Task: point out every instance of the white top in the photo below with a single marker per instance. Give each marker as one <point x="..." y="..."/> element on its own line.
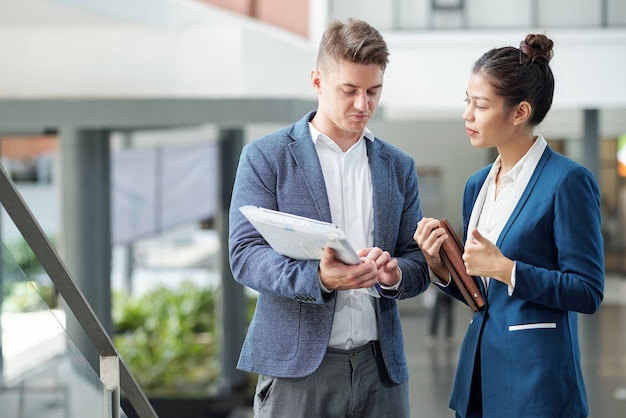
<point x="490" y="214"/>
<point x="349" y="186"/>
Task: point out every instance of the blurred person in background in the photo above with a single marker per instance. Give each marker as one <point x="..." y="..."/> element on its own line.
<point x="441" y="313"/>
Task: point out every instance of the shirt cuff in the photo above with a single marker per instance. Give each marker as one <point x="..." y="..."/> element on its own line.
<point x="436" y="280"/>
<point x="324" y="290"/>
<point x="395" y="287"/>
<point x="512" y="286"/>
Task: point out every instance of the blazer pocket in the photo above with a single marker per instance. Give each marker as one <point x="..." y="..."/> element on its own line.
<point x="538" y="325"/>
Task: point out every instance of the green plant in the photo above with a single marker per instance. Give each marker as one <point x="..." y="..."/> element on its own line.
<point x="25" y="285"/>
<point x="25" y="258"/>
<point x="166" y="337"/>
<point x="28" y="296"/>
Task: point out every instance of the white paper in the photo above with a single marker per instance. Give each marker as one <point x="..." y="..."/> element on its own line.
<point x="298" y="237"/>
<point x="302" y="238"/>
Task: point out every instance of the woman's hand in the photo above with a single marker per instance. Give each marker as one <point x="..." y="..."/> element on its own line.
<point x="483" y="258"/>
<point x="429" y="236"/>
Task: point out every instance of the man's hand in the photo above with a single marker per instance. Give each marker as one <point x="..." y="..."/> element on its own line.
<point x="376" y="266"/>
<point x="387" y="267"/>
<point x="336" y="275"/>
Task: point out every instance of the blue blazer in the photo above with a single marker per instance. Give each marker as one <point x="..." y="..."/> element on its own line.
<point x="290" y="330"/>
<point x="528" y="342"/>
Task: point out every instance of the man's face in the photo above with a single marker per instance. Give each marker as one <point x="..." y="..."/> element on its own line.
<point x="348" y="97"/>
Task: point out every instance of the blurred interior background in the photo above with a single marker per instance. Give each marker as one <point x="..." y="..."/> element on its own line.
<point x="121" y="124"/>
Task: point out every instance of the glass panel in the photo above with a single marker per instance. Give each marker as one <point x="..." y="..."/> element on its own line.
<point x="499" y="14"/>
<point x="564" y="13"/>
<point x="375" y="12"/>
<point x="480" y="14"/>
<point x="42" y="373"/>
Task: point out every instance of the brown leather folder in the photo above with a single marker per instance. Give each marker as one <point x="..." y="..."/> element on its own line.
<point x="451" y="252"/>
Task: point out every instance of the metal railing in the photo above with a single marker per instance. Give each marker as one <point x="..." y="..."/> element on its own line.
<point x="113" y="373"/>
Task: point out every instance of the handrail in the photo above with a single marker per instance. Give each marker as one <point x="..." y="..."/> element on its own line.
<point x="36" y="238"/>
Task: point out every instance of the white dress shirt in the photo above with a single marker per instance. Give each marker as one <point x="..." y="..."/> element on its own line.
<point x="491" y="213"/>
<point x="349" y="186"/>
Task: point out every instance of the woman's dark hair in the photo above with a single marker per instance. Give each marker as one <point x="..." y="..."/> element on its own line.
<point x="522" y="74"/>
<point x="354" y="41"/>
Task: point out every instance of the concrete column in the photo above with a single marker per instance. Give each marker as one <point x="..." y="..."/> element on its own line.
<point x="232" y="301"/>
<point x="1" y="294"/>
<point x="1" y="301"/>
<point x="129" y="248"/>
<point x="591" y="141"/>
<point x="86" y="226"/>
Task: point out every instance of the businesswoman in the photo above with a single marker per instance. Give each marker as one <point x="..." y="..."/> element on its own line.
<point x="531" y="226"/>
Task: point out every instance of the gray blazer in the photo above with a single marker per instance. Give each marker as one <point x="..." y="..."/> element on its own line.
<point x="289" y="333"/>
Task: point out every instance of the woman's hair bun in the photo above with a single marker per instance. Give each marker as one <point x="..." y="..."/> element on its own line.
<point x="537" y="48"/>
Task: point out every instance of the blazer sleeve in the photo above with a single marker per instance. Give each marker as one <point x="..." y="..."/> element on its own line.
<point x="561" y="265"/>
<point x="411" y="261"/>
<point x="253" y="262"/>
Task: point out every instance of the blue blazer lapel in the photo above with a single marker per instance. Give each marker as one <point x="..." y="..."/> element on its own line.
<point x="532" y="183"/>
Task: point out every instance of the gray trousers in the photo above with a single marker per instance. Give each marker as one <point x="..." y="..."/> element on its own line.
<point x="348" y="384"/>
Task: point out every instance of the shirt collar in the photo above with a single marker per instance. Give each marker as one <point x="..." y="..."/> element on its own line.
<point x="316" y="134"/>
<point x="532" y="156"/>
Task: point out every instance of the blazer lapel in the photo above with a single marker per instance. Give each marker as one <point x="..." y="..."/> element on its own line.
<point x="304" y="154"/>
<point x="381" y="177"/>
<point x="516" y="211"/>
<point x="527" y="192"/>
